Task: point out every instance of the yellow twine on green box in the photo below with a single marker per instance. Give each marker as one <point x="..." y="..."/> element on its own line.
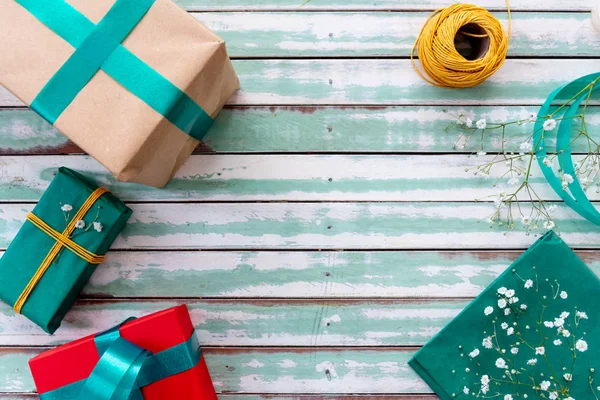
<point x="441" y="61"/>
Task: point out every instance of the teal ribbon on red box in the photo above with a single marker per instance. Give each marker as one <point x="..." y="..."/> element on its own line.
<point x="124" y="368"/>
<point x="575" y="92"/>
<point x="98" y="47"/>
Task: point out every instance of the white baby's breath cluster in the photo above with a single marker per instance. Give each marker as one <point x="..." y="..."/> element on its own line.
<point x="517" y="352"/>
<point x="516" y="202"/>
<point x="81" y="224"/>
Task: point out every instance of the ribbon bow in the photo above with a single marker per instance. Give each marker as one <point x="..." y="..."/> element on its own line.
<point x="576" y="91"/>
<point x="125" y="368"/>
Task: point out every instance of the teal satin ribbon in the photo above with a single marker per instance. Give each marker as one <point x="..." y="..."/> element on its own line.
<point x="99" y="47"/>
<point x="575" y="195"/>
<point x="124" y="368"/>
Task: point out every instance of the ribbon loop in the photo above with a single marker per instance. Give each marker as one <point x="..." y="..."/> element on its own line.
<point x="575" y="92"/>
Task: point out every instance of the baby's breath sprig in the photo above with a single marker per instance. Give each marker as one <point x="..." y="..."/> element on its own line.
<point x="512" y="168"/>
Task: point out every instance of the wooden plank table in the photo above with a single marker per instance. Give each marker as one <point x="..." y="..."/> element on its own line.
<point x="326" y="228"/>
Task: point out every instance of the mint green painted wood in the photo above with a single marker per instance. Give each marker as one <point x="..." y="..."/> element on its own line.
<point x="286" y="371"/>
<point x="319" y="226"/>
<point x="284" y="178"/>
<point x="308" y="129"/>
<point x="357" y="5"/>
<point x="320" y="275"/>
<point x="372" y="34"/>
<point x="255" y="323"/>
<point x="388" y="82"/>
<point x="281" y="397"/>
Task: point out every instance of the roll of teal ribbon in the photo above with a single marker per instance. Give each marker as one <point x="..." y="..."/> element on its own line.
<point x="124" y="368"/>
<point x="99" y="47"/>
<point x="575" y="93"/>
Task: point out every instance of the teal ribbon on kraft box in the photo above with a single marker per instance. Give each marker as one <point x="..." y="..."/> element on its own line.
<point x="98" y="47"/>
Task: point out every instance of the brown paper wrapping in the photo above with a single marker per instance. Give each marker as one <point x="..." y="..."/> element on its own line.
<point x="134" y="142"/>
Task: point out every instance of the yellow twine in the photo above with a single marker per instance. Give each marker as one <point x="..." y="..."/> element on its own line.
<point x="62" y="240"/>
<point x="440" y="60"/>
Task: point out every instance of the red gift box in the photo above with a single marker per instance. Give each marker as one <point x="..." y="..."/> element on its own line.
<point x="75" y="361"/>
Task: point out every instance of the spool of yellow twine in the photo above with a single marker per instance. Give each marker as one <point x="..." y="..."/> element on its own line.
<point x="443" y="65"/>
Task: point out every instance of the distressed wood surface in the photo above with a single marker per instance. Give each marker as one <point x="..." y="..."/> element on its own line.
<point x="256" y="323"/>
<point x="370" y="129"/>
<point x="274" y="370"/>
<point x="12" y="396"/>
<point x="409" y="178"/>
<point x="342" y="34"/>
<point x="388" y="82"/>
<point x="392" y="5"/>
<point x="312" y="226"/>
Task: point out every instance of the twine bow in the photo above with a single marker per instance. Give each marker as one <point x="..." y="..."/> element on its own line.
<point x="62" y="240"/>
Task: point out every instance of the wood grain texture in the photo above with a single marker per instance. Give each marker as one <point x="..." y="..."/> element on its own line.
<point x="388" y="82"/>
<point x="256" y="323"/>
<point x="430" y="129"/>
<point x="274" y="370"/>
<point x="372" y="34"/>
<point x="319" y="226"/>
<point x="392" y="5"/>
<point x="287" y="178"/>
<point x="11" y="396"/>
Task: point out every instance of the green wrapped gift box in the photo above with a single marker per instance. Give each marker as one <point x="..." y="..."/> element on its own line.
<point x="533" y="334"/>
<point x="71" y="265"/>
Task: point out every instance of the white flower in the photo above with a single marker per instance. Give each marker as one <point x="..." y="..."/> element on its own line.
<point x="481" y="153"/>
<point x="528" y="284"/>
<point x="510" y="331"/>
<point x="547" y="162"/>
<point x="514" y="350"/>
<point x="549" y="225"/>
<point x="526" y="147"/>
<point x="80" y="224"/>
<point x="581" y="315"/>
<point x="514" y="181"/>
<point x="545" y="385"/>
<point x="66" y="207"/>
<point x="507" y="311"/>
<point x="553" y="396"/>
<point x="466" y="390"/>
<point x="500" y="363"/>
<point x="568" y="377"/>
<point x="485" y="380"/>
<point x="523" y="306"/>
<point x="581" y="345"/>
<point x="98" y="227"/>
<point x="566" y="333"/>
<point x="532" y="361"/>
<point x="481" y="124"/>
<point x="532" y="117"/>
<point x="508" y="397"/>
<point x="504" y="325"/>
<point x="526" y="220"/>
<point x="485" y="388"/>
<point x="474" y="353"/>
<point x="502" y="303"/>
<point x="488" y="310"/>
<point x="558" y="322"/>
<point x="564" y="315"/>
<point x="513" y="300"/>
<point x="502" y="290"/>
<point x="549" y="124"/>
<point x="567" y="179"/>
<point x="509" y="293"/>
<point x="563" y="295"/>
<point x="487" y="343"/>
<point x="540" y="350"/>
<point x="469" y="123"/>
<point x="557" y="342"/>
<point x="549" y="324"/>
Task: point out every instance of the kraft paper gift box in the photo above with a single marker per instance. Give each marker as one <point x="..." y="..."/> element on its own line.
<point x="159" y="358"/>
<point x="144" y="85"/>
<point x="534" y="333"/>
<point x="40" y="278"/>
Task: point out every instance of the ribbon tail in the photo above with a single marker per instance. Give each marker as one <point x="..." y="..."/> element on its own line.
<point x="115" y="375"/>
